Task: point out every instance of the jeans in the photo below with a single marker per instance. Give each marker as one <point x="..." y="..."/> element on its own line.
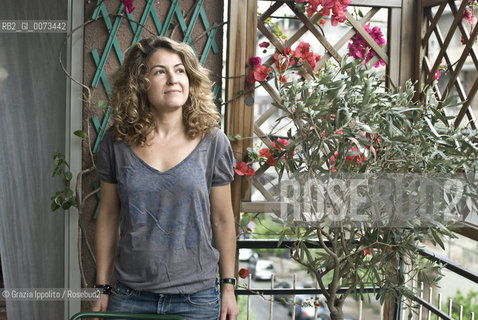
<point x="202" y="305"/>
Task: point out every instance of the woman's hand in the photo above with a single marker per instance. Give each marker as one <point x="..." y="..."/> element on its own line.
<point x="101" y="304"/>
<point x="229" y="309"/>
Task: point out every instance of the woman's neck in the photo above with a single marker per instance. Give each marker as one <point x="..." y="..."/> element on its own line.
<point x="169" y="124"/>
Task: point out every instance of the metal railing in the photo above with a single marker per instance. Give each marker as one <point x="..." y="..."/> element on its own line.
<point x="400" y="314"/>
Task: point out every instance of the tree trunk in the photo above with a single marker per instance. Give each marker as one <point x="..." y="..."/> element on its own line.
<point x="337" y="313"/>
<point x="336" y="310"/>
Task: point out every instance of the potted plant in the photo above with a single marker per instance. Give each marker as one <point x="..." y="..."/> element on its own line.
<point x="357" y="167"/>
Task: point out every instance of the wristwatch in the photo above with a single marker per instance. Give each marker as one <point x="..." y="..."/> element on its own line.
<point x="105" y="287"/>
<point x="228" y="280"/>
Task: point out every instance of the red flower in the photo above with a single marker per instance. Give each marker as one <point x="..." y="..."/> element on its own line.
<point x="280" y="62"/>
<point x="367" y="251"/>
<point x="128" y="5"/>
<point x="317" y="304"/>
<point x="250" y="77"/>
<point x="302" y="50"/>
<point x="255" y="61"/>
<point x="264" y="44"/>
<point x="332" y="161"/>
<point x="265" y="152"/>
<point x="261" y="73"/>
<point x="243" y="273"/>
<point x="283" y="142"/>
<point x="271" y="161"/>
<point x="360" y="158"/>
<point x="243" y="169"/>
<point x="287" y="51"/>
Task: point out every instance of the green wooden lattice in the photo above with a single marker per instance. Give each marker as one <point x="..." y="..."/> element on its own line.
<point x="137" y="28"/>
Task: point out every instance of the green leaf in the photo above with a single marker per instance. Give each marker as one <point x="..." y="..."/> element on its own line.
<point x="80" y="133"/>
<point x="234" y="137"/>
<point x="57" y="171"/>
<point x="68" y="176"/>
<point x="102" y="104"/>
<point x="54" y="206"/>
<point x="68" y="193"/>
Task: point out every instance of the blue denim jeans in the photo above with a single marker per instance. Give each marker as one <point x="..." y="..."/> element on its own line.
<point x="202" y="305"/>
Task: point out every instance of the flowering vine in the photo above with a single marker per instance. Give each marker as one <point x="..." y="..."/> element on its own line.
<point x="469" y="16"/>
<point x="128" y="5"/>
<point x="360" y="49"/>
<point x="301" y="57"/>
<point x="336" y="7"/>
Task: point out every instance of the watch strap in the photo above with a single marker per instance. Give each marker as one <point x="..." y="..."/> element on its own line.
<point x="229" y="281"/>
<point x="106" y="288"/>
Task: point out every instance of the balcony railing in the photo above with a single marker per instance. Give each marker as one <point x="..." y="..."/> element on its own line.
<point x="400" y="312"/>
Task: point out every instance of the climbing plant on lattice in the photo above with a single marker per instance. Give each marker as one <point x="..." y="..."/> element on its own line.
<point x="308" y="25"/>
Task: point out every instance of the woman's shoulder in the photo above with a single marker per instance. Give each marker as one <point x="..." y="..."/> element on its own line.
<point x="109" y="139"/>
<point x="218" y="136"/>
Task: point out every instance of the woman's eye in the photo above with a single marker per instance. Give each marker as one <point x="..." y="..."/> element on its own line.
<point x="180" y="71"/>
<point x="159" y="72"/>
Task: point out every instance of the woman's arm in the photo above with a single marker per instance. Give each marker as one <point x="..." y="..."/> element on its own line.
<point x="224" y="231"/>
<point x="106" y="239"/>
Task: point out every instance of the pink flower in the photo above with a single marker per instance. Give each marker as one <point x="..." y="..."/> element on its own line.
<point x="283" y="142"/>
<point x="437" y="75"/>
<point x="302" y="49"/>
<point x="358" y="46"/>
<point x="280" y="62"/>
<point x="359" y="159"/>
<point x="255" y="61"/>
<point x="243" y="169"/>
<point x="265" y="152"/>
<point x="332" y="161"/>
<point x="264" y="44"/>
<point x="261" y="73"/>
<point x="469" y="17"/>
<point x="128" y="5"/>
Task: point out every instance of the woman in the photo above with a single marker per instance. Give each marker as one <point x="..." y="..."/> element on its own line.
<point x="165" y="171"/>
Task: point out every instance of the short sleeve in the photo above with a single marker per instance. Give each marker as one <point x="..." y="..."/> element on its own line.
<point x="105" y="162"/>
<point x="223" y="172"/>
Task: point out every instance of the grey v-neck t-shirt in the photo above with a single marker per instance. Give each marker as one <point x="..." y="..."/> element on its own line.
<point x="166" y="237"/>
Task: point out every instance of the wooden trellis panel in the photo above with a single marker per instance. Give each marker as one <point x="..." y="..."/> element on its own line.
<point x="429" y="16"/>
<point x="390" y="54"/>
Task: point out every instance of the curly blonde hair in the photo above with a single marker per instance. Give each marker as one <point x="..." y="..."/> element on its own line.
<point x="132" y="116"/>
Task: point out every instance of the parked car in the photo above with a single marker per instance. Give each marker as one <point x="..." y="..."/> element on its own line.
<point x="247" y="255"/>
<point x="262" y="269"/>
<point x="306" y="306"/>
<point x="282" y="298"/>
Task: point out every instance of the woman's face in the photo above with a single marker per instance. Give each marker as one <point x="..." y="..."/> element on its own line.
<point x="169" y="88"/>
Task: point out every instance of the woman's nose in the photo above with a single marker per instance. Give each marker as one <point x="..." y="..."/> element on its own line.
<point x="171" y="78"/>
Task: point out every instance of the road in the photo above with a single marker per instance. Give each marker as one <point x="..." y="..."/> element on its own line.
<point x="260" y="307"/>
